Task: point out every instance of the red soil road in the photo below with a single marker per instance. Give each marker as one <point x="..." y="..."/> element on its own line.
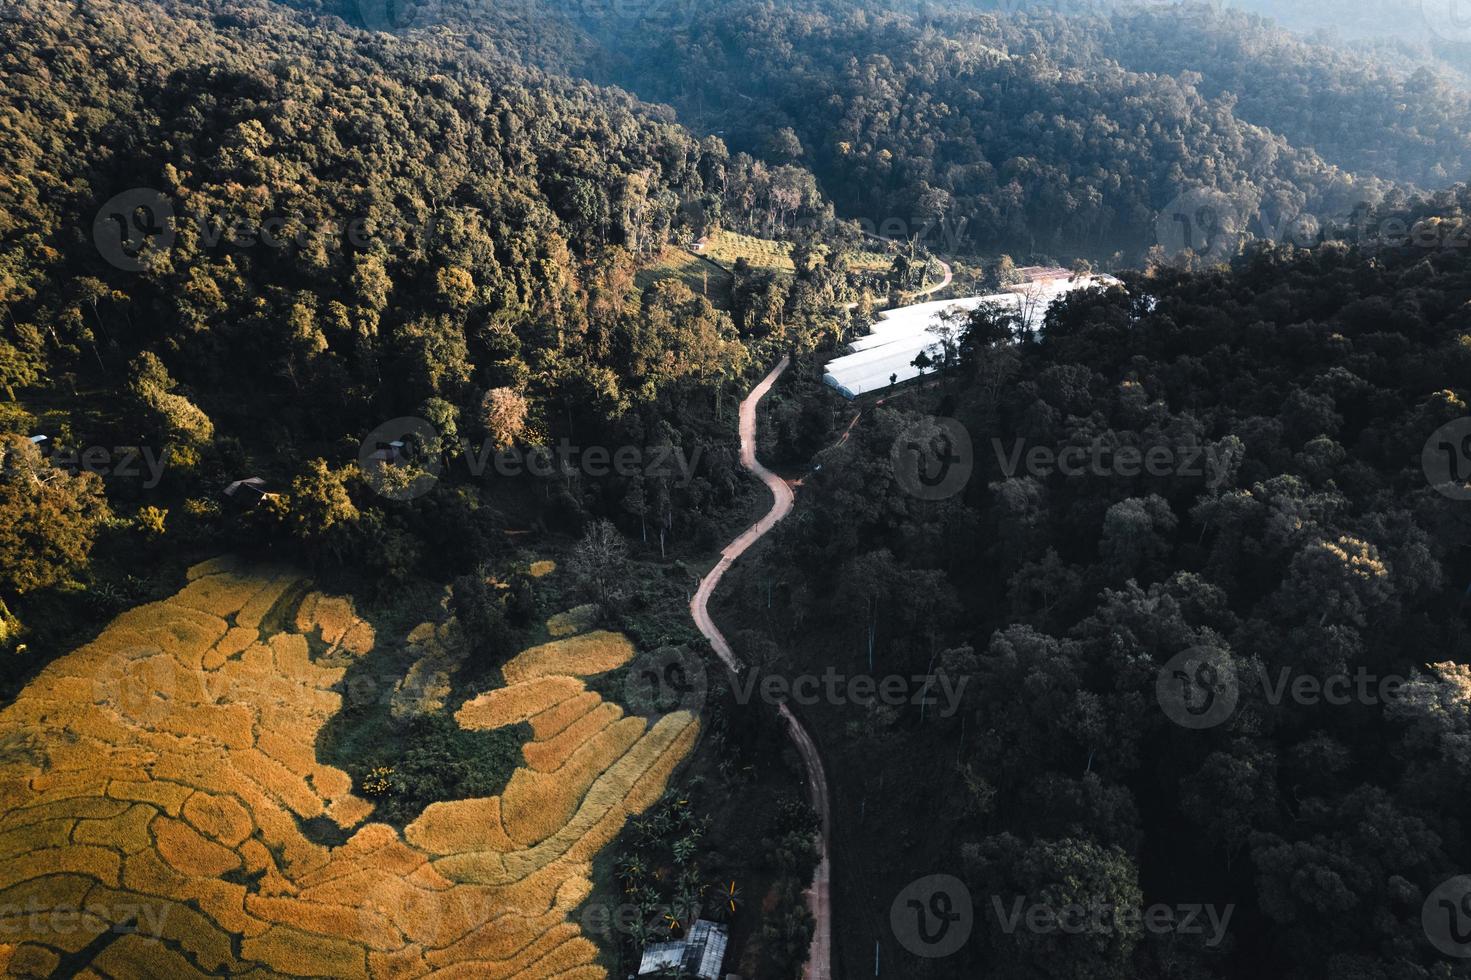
<point x="819" y="958"/>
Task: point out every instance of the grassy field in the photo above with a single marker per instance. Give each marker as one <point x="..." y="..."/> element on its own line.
<point x="726" y="247"/>
<point x="870" y="261"/>
<point x="703" y="278"/>
<point x="709" y="274"/>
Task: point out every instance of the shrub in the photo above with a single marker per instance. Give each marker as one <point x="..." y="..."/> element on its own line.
<point x="577" y="620"/>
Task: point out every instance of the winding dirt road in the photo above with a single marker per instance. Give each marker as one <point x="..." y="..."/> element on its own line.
<point x="819" y="959"/>
<point x="928" y="290"/>
<point x="819" y="900"/>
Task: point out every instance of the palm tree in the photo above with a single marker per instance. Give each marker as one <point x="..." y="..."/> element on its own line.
<point x="631" y="870"/>
<point x="639" y="933"/>
<point x="727" y="900"/>
<point x="686" y="847"/>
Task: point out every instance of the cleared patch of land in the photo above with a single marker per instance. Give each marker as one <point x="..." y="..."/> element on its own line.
<point x="726" y="247"/>
<point x="703" y="278"/>
<point x="156" y="785"/>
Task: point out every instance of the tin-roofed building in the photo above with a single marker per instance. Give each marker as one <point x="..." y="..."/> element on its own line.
<point x="248" y="492"/>
<point x="699" y="954"/>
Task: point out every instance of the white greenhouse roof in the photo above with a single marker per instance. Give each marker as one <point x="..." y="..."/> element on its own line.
<point x="899" y="335"/>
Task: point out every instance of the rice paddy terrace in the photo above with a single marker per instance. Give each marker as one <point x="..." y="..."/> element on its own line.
<point x="156" y="785"/>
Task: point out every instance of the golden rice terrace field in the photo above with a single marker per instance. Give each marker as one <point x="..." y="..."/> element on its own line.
<point x="154" y="786"/>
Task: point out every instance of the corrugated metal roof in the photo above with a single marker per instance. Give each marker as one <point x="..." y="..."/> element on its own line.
<point x="657" y="956"/>
<point x="699" y="954"/>
<point x="710" y="944"/>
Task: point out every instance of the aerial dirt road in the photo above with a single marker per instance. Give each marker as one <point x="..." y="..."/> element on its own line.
<point x="945" y="281"/>
<point x="819" y="959"/>
<point x="949" y="275"/>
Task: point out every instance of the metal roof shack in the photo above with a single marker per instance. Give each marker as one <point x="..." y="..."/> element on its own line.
<point x="248" y="492"/>
<point x="699" y="954"/>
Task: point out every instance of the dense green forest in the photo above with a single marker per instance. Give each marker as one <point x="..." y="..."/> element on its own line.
<point x="1295" y="531"/>
<point x="1366" y="112"/>
<point x="1043" y="130"/>
<point x="241" y="240"/>
<point x="249" y="239"/>
<point x="1037" y="130"/>
<point x="1408" y="26"/>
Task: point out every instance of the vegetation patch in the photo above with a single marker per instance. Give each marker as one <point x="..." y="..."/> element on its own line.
<point x="576" y="620"/>
<point x="703" y="277"/>
<point x="272" y="858"/>
<point x="763" y="254"/>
